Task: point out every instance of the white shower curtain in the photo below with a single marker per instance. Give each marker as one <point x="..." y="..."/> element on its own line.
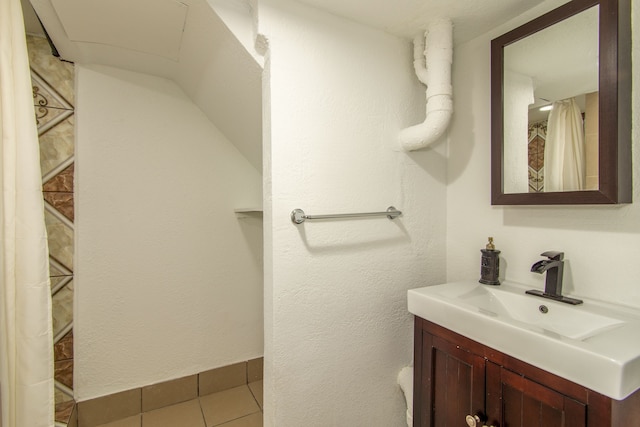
<point x="564" y="152"/>
<point x="26" y="342"/>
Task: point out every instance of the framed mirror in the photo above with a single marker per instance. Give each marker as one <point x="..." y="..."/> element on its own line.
<point x="574" y="64"/>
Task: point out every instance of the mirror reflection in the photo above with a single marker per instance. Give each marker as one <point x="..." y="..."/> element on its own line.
<point x="551" y="108"/>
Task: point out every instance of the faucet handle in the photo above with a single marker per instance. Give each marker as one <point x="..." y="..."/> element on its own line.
<point x="553" y="255"/>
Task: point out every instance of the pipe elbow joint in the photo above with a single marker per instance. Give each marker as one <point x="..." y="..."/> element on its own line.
<point x="425" y="134"/>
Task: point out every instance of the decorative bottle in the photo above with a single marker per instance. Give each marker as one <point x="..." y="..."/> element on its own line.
<point x="490" y="264"/>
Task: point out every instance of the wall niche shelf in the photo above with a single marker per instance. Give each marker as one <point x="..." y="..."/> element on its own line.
<point x="251" y="212"/>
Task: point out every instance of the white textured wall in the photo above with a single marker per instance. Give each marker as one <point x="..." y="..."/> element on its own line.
<point x="337" y="330"/>
<point x="601" y="244"/>
<point x="169" y="280"/>
<point x="518" y="90"/>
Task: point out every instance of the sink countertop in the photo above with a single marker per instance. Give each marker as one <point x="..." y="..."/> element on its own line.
<point x="594" y="344"/>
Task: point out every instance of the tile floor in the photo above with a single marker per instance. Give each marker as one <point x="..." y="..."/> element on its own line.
<point x="235" y="407"/>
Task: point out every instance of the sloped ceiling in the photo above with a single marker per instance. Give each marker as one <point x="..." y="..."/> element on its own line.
<point x="118" y="23"/>
<point x="185" y="41"/>
<point x="188" y="42"/>
<point x="31" y="23"/>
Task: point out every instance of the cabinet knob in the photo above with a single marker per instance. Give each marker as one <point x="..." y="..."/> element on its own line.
<point x="472" y="420"/>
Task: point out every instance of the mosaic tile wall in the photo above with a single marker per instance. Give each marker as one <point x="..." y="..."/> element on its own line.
<point x="53" y="95"/>
<point x="537" y="138"/>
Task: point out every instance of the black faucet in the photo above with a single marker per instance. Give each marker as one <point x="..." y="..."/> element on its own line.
<point x="554" y="266"/>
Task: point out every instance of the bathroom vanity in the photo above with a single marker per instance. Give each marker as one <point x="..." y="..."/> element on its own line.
<point x="509" y="364"/>
<point x="455" y="377"/>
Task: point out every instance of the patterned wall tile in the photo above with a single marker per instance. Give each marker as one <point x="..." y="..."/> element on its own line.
<point x="53" y="96"/>
<point x="47" y="118"/>
<point x="63" y="411"/>
<point x="63" y="349"/>
<point x="58" y="192"/>
<point x="58" y="275"/>
<point x="61" y="396"/>
<point x="57" y="145"/>
<point x="536" y="153"/>
<point x="63" y="372"/>
<point x="537" y="139"/>
<point x="62" y="307"/>
<point x="56" y="280"/>
<point x="62" y="202"/>
<point x="56" y="269"/>
<point x="44" y="95"/>
<point x="59" y="74"/>
<point x="60" y="239"/>
<point x="63" y="181"/>
<point x="50" y="107"/>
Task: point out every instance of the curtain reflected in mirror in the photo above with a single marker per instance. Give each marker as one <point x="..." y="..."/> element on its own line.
<point x="563" y="146"/>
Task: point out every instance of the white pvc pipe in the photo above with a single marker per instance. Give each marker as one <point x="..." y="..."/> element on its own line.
<point x="419" y="64"/>
<point x="405" y="381"/>
<point x="439" y="56"/>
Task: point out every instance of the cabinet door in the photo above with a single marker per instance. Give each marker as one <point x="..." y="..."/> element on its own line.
<point x="515" y="401"/>
<point x="452" y="384"/>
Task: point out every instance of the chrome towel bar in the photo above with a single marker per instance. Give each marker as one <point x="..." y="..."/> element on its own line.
<point x="298" y="216"/>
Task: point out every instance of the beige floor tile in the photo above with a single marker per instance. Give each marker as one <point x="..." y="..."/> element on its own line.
<point x="169" y="393"/>
<point x="228" y="405"/>
<point x="221" y="379"/>
<point x="256" y="389"/>
<point x="255" y="368"/>
<point x="253" y="420"/>
<point x="107" y="409"/>
<point x="134" y="421"/>
<point x="187" y="414"/>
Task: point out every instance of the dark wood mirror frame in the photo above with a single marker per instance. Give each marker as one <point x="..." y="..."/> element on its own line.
<point x="615" y="174"/>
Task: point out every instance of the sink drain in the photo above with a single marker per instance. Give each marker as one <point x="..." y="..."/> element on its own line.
<point x="543" y="309"/>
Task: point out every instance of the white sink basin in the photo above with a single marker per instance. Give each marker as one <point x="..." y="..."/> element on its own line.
<point x="594" y="344"/>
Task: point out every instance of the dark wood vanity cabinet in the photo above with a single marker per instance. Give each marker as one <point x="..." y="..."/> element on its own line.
<point x="514" y="400"/>
<point x="455" y="377"/>
<point x="451" y="383"/>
